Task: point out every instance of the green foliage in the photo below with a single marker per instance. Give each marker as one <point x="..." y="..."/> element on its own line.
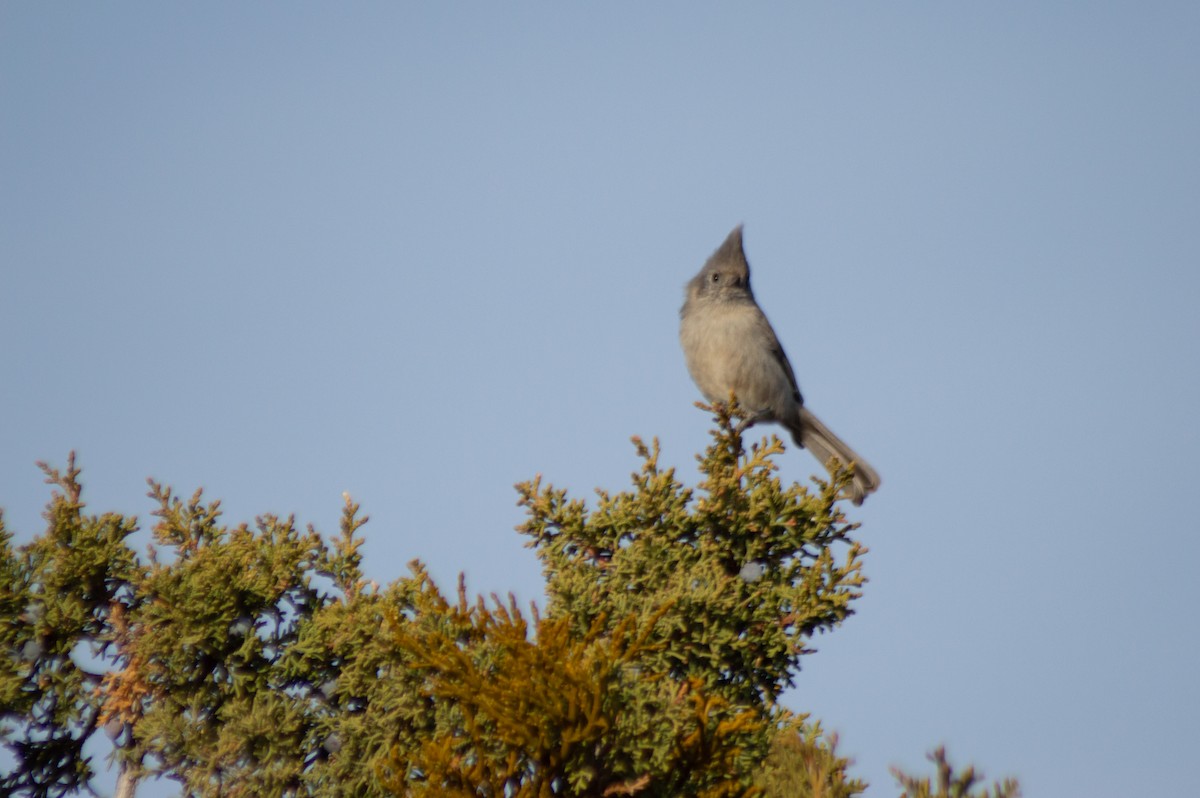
<point x="60" y="595"/>
<point x="557" y="714"/>
<point x="662" y="545"/>
<point x="560" y="714"/>
<point x="210" y="687"/>
<point x="205" y="664"/>
<point x="257" y="660"/>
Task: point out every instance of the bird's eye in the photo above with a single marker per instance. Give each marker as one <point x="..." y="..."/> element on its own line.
<point x="716" y="278"/>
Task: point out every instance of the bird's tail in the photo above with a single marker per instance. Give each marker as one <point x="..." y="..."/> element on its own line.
<point x="813" y="435"/>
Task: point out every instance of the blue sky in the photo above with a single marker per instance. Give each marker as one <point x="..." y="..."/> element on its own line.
<point x="422" y="252"/>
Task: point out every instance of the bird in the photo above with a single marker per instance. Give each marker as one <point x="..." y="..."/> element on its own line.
<point x="730" y="347"/>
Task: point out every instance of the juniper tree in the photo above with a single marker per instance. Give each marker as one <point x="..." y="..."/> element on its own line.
<point x="258" y="660"/>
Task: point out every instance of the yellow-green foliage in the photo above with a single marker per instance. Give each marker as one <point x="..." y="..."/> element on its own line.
<point x="951" y="784"/>
<point x="59" y="595"/>
<point x="805" y="764"/>
<point x="663" y="544"/>
<point x="557" y="713"/>
<point x="256" y="660"/>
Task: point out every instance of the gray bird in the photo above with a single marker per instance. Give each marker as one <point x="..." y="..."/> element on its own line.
<point x="730" y="346"/>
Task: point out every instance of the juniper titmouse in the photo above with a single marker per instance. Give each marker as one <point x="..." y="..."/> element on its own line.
<point x="730" y="346"/>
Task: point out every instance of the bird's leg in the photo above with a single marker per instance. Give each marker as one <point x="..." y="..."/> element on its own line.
<point x="750" y="420"/>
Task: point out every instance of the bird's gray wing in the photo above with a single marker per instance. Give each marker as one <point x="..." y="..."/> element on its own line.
<point x="781" y="357"/>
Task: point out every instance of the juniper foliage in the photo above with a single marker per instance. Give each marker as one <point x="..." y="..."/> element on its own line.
<point x="949" y="783"/>
<point x="258" y="660"/>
